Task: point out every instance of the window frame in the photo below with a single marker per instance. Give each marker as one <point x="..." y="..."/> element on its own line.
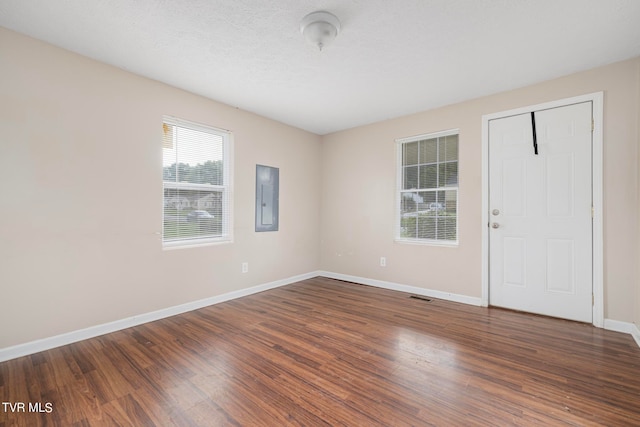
<point x="226" y="188"/>
<point x="400" y="143"/>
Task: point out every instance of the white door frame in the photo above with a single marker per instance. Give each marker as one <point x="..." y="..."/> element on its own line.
<point x="597" y="195"/>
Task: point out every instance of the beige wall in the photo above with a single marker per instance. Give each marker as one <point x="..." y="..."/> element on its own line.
<point x="358" y="181"/>
<point x="81" y="196"/>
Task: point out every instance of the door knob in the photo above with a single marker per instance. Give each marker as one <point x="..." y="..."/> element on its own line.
<point x="495" y="212"/>
<point x="495" y="225"/>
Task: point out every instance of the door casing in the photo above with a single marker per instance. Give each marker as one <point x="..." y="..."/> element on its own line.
<point x="597" y="195"/>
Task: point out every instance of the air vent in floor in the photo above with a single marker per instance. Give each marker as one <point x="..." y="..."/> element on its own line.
<point x="420" y="298"/>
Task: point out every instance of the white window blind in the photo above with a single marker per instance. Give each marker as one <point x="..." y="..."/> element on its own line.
<point x="427" y="192"/>
<point x="196" y="183"/>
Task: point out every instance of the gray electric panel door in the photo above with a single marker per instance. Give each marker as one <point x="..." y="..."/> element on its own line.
<point x="267" y="196"/>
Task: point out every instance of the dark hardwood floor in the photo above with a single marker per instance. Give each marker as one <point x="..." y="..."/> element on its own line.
<point x="324" y="352"/>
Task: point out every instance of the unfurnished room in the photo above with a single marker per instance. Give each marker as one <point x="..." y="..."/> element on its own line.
<point x="319" y="213"/>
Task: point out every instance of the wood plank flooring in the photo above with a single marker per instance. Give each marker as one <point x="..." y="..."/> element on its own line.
<point x="328" y="353"/>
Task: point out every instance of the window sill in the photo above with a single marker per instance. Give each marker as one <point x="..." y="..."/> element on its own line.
<point x="185" y="244"/>
<point x="428" y="242"/>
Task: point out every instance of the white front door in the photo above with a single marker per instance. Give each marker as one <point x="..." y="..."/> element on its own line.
<point x="540" y="212"/>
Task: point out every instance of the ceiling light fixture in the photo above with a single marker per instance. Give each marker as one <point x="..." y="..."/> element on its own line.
<point x="320" y="28"/>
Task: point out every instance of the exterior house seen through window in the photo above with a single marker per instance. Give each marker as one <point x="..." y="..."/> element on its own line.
<point x="196" y="183"/>
<point x="427" y="195"/>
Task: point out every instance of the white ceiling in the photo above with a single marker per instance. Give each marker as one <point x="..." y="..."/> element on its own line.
<point x="392" y="58"/>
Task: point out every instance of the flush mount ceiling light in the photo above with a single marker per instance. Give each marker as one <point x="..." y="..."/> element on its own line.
<point x="320" y="28"/>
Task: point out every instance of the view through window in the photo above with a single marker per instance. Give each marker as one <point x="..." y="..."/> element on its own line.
<point x="195" y="183"/>
<point x="428" y="188"/>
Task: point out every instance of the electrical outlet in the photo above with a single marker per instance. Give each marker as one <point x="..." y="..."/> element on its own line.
<point x="383" y="261"/>
<point x="245" y="267"/>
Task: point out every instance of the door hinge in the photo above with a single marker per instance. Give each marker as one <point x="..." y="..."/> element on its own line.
<point x="593" y="125"/>
<point x="593" y="212"/>
<point x="593" y="300"/>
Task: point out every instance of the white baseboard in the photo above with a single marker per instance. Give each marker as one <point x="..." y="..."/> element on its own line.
<point x="403" y="288"/>
<point x="635" y="333"/>
<point x="625" y="327"/>
<point x="617" y="326"/>
<point x="32" y="347"/>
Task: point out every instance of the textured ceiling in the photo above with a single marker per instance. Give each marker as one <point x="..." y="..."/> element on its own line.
<point x="392" y="58"/>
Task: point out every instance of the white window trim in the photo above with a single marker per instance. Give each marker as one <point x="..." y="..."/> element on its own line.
<point x="399" y="176"/>
<point x="227" y="159"/>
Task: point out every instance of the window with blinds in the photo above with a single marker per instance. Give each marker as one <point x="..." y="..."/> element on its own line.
<point x="196" y="183"/>
<point x="427" y="193"/>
